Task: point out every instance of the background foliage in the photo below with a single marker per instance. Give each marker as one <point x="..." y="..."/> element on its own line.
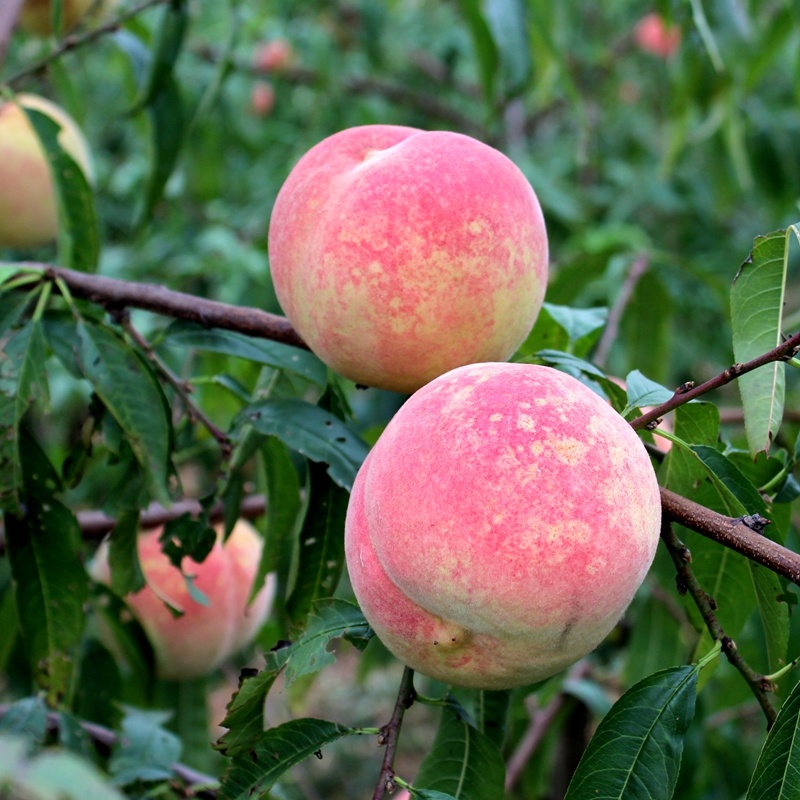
<point x="655" y="174"/>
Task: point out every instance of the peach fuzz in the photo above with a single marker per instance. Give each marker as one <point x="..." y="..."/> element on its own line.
<point x="501" y="525"/>
<point x="398" y="254"/>
<point x="197" y="642"/>
<point x="28" y="208"/>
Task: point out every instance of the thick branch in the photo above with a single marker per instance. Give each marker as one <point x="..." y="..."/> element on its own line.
<point x="689" y="392"/>
<point x="732" y="533"/>
<point x="115" y="295"/>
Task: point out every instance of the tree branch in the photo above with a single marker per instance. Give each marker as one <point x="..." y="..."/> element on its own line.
<point x="391" y="732"/>
<point x="687" y="392"/>
<point x="687" y="582"/>
<point x="732" y="533"/>
<point x="74" y="42"/>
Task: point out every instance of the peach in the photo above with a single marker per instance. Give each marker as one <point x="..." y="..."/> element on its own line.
<point x="28" y="207"/>
<point x="205" y="636"/>
<point x="273" y="56"/>
<point x="36" y="16"/>
<point x="653" y="35"/>
<point x="262" y="98"/>
<point x="501" y="525"/>
<point x="398" y="254"/>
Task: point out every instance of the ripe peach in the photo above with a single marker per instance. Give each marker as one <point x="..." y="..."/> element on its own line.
<point x="654" y="36"/>
<point x="398" y="254"/>
<point x="501" y="525"/>
<point x="202" y="638"/>
<point x="28" y="210"/>
<point x="273" y="56"/>
<point x="36" y="16"/>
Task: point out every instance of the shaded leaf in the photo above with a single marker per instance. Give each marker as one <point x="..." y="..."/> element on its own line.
<point x="321" y="546"/>
<point x="78" y="228"/>
<point x="463" y="762"/>
<point x="636" y="751"/>
<point x="484" y="44"/>
<point x="250" y="776"/>
<point x="509" y="27"/>
<point x="26" y="717"/>
<point x="123" y="557"/>
<point x="262" y="351"/>
<point x="644" y="392"/>
<point x="757" y="298"/>
<point x="777" y="773"/>
<point x="313" y="432"/>
<point x="329" y="619"/>
<point x="572" y="363"/>
<point x="145" y="751"/>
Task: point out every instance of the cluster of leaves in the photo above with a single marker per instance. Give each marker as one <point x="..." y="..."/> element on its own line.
<point x="107" y="409"/>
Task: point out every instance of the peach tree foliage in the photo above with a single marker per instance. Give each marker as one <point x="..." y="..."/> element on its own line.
<point x="105" y="408"/>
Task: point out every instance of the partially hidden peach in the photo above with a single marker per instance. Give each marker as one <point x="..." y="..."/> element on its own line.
<point x="398" y="254"/>
<point x="205" y="636"/>
<point x="28" y="207"/>
<point x="273" y="56"/>
<point x="501" y="525"/>
<point x="36" y="16"/>
<point x="653" y="35"/>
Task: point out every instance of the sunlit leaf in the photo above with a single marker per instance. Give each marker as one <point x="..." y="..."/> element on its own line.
<point x="757" y="299"/>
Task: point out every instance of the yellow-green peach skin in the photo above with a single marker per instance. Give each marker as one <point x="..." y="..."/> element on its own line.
<point x="501" y="525"/>
<point x="399" y="254"/>
<point x="28" y="208"/>
<point x="197" y="642"/>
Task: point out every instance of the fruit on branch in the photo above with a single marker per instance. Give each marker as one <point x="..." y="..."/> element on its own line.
<point x="653" y="35"/>
<point x="501" y="525"/>
<point x="28" y="206"/>
<point x="273" y="56"/>
<point x="36" y="16"/>
<point x="205" y="636"/>
<point x="398" y="254"/>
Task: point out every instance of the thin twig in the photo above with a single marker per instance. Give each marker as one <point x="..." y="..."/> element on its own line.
<point x="687" y="582"/>
<point x="183" y="390"/>
<point x="74" y="42"/>
<point x="638" y="268"/>
<point x="689" y="391"/>
<point x="391" y="732"/>
<point x="732" y="533"/>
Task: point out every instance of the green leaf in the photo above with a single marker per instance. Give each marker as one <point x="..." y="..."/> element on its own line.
<point x="507" y="22"/>
<point x="250" y="776"/>
<point x="644" y="392"/>
<point x="491" y="710"/>
<point x="757" y="299"/>
<point x="777" y="773"/>
<point x="463" y="762"/>
<point x="12" y="306"/>
<point x="577" y="322"/>
<point x="329" y="619"/>
<point x="569" y="361"/>
<point x="123" y="557"/>
<point x="636" y="751"/>
<point x="321" y="556"/>
<point x="145" y="751"/>
<point x="275" y="354"/>
<point x="26" y="717"/>
<point x="131" y="393"/>
<point x="485" y="46"/>
<point x="23" y="380"/>
<point x="431" y="794"/>
<point x="732" y="482"/>
<point x="51" y="585"/>
<point x="79" y="229"/>
<point x="313" y="432"/>
<point x="245" y="717"/>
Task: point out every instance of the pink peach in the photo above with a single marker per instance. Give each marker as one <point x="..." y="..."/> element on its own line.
<point x="653" y="35"/>
<point x="399" y="254"/>
<point x="205" y="636"/>
<point x="501" y="525"/>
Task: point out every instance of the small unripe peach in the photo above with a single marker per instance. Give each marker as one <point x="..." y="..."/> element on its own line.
<point x="36" y="16"/>
<point x="399" y="254"/>
<point x="273" y="56"/>
<point x="262" y="98"/>
<point x="653" y="35"/>
<point x="28" y="208"/>
<point x="205" y="636"/>
<point x="501" y="525"/>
